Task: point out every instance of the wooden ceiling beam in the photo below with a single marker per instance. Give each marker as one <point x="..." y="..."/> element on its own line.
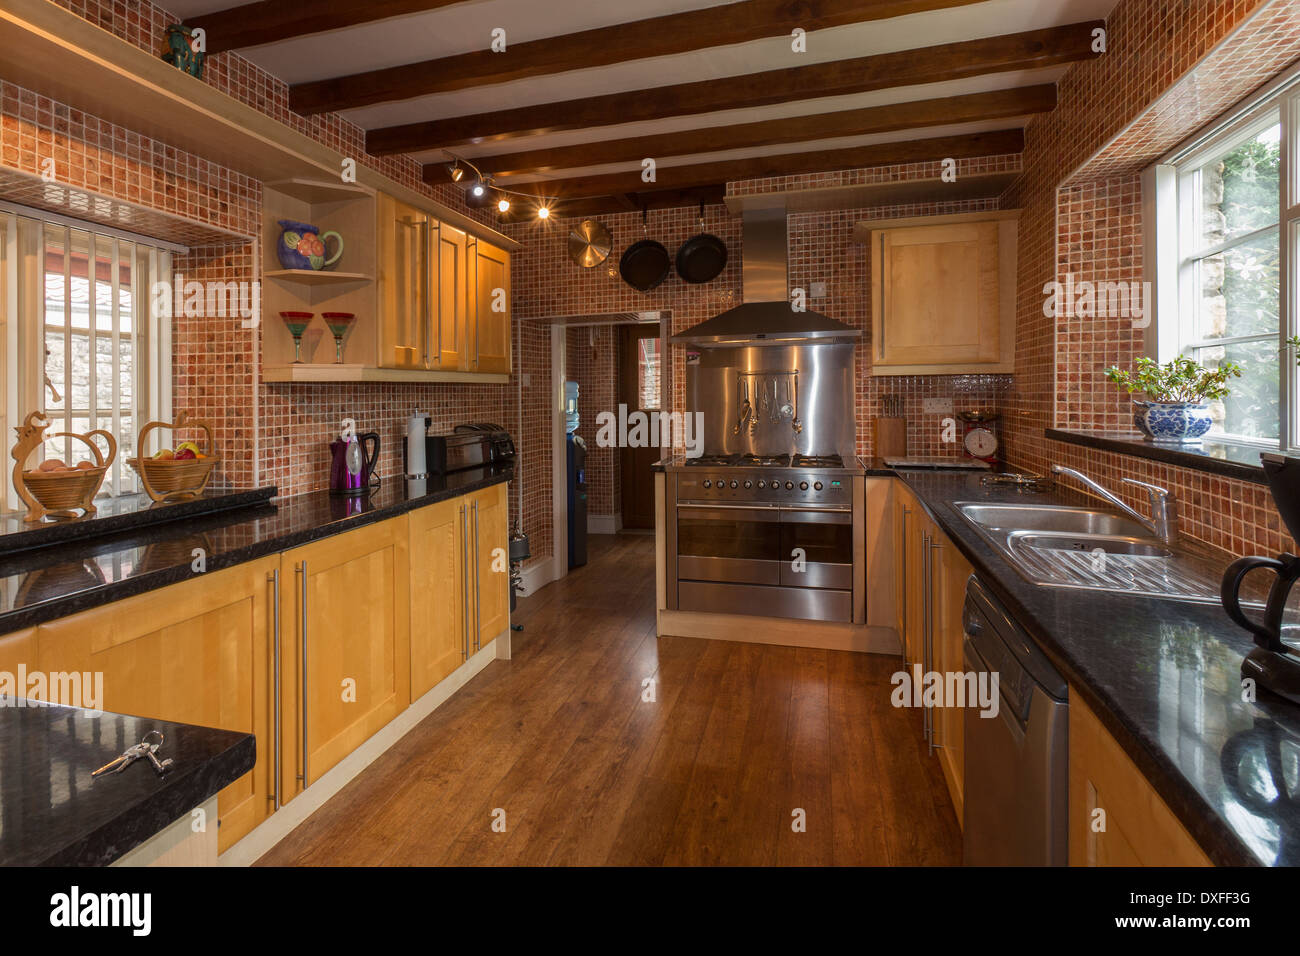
<point x="658" y="36"/>
<point x="972" y="107"/>
<point x="269" y="21"/>
<point x="950" y="61"/>
<point x="788" y="164"/>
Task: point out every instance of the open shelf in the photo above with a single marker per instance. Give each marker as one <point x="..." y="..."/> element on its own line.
<point x="312" y="191"/>
<point x="314" y="277"/>
<point x="306" y="373"/>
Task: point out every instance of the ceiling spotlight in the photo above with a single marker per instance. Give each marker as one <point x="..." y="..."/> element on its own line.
<point x="543" y="212"/>
<point x="503" y="204"/>
<point x="455" y="172"/>
<point x="478" y="189"/>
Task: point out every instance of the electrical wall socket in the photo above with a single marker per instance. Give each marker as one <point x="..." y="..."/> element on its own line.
<point x="527" y="379"/>
<point x="817" y="290"/>
<point x="936" y="406"/>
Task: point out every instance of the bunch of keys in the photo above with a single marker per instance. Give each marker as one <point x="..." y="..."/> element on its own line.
<point x="147" y="747"/>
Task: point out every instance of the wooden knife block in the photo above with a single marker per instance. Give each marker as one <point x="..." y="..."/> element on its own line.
<point x="889" y="437"/>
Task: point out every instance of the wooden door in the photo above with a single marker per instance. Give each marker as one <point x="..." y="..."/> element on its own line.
<point x="951" y="572"/>
<point x="490" y="592"/>
<point x="491" y="308"/>
<point x="936" y="295"/>
<point x="914" y="639"/>
<point x="198" y="652"/>
<point x="347" y="610"/>
<point x="1115" y="816"/>
<point x="640" y="388"/>
<point x="403" y="277"/>
<point x="439" y="636"/>
<point x="450" y="297"/>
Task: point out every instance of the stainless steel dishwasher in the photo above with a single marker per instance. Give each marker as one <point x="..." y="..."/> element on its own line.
<point x="1016" y="761"/>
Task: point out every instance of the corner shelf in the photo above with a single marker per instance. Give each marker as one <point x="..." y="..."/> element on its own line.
<point x="315" y="277"/>
<point x="314" y="191"/>
<point x="307" y="372"/>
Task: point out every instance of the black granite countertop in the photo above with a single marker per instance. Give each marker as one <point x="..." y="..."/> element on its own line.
<point x="1164" y="677"/>
<point x="54" y="813"/>
<point x="42" y="584"/>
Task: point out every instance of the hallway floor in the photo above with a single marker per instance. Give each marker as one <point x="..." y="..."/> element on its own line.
<point x="737" y="737"/>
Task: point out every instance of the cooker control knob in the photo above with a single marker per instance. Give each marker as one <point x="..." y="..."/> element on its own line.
<point x="803" y="486"/>
<point x="776" y="483"/>
<point x="707" y="483"/>
<point x="762" y="483"/>
<point x="748" y="483"/>
<point x="789" y="485"/>
<point x="734" y="483"/>
<point x="817" y="486"/>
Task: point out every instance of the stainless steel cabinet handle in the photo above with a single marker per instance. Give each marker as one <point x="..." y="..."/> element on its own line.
<point x="925" y="630"/>
<point x="427" y="313"/>
<point x="301" y="571"/>
<point x="478" y="605"/>
<point x="906" y="512"/>
<point x="275" y="668"/>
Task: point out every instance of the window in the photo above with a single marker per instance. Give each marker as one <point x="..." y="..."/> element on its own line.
<point x="1217" y="212"/>
<point x="79" y="343"/>
<point x="647" y="372"/>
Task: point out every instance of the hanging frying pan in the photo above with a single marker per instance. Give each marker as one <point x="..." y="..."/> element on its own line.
<point x="701" y="258"/>
<point x="645" y="263"/>
<point x="589" y="243"/>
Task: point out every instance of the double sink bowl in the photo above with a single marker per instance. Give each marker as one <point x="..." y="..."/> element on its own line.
<point x="1074" y="547"/>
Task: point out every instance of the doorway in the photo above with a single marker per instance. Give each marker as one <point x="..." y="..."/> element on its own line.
<point x="640" y="375"/>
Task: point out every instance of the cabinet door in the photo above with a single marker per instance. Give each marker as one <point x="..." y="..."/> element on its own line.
<point x="403" y="277"/>
<point x="936" y="295"/>
<point x="903" y="517"/>
<point x="196" y="653"/>
<point x="914" y="638"/>
<point x="450" y="297"/>
<point x="1116" y="817"/>
<point x="491" y="584"/>
<point x="491" y="308"/>
<point x="439" y="636"/>
<point x="347" y="615"/>
<point x="18" y="649"/>
<point x="951" y="572"/>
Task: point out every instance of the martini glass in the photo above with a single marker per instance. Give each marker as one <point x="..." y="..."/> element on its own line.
<point x="339" y="323"/>
<point x="296" y="323"/>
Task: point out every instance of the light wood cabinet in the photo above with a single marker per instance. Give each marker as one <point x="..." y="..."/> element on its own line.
<point x="346" y="649"/>
<point x="491" y="310"/>
<point x="449" y="264"/>
<point x="1116" y="817"/>
<point x="491" y="559"/>
<point x="403" y="285"/>
<point x="198" y="652"/>
<point x="18" y="650"/>
<point x="943" y="294"/>
<point x="951" y="572"/>
<point x="439" y="622"/>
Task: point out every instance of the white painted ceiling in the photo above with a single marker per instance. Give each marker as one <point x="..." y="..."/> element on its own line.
<point x="467" y="26"/>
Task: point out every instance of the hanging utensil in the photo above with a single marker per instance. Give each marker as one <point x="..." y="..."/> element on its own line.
<point x="645" y="263"/>
<point x="589" y="243"/>
<point x="702" y="257"/>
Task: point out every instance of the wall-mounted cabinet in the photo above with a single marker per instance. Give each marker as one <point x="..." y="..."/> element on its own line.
<point x="942" y="293"/>
<point x="432" y="302"/>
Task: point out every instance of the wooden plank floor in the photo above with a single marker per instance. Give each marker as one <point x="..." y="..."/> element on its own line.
<point x="737" y="737"/>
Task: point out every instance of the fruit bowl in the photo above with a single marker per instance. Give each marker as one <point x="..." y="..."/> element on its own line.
<point x="54" y="489"/>
<point x="66" y="490"/>
<point x="175" y="479"/>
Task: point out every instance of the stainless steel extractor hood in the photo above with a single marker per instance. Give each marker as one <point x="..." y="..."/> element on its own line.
<point x="765" y="315"/>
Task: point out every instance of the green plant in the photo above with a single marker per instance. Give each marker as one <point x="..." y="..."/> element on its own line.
<point x="1182" y="380"/>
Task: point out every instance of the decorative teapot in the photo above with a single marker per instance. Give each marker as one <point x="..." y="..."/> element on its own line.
<point x="303" y="247"/>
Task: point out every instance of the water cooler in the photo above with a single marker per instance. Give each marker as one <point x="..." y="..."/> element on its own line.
<point x="576" y="456"/>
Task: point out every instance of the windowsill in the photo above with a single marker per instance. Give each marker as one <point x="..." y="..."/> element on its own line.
<point x="1229" y="459"/>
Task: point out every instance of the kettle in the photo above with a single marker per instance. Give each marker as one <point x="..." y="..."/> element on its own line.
<point x="352" y="469"/>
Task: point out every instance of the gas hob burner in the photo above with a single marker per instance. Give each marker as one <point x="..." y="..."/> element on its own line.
<point x="710" y="461"/>
<point x="818" y="461"/>
<point x="763" y="461"/>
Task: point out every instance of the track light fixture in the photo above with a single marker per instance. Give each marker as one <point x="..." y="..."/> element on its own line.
<point x="455" y="172"/>
<point x="503" y="204"/>
<point x="543" y="212"/>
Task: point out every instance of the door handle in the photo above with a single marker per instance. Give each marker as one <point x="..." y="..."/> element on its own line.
<point x="906" y="512"/>
<point x="427" y="313"/>
<point x="478" y="606"/>
<point x="929" y="644"/>
<point x="301" y="571"/>
<point x="464" y="586"/>
<point x="927" y="610"/>
<point x="274" y="578"/>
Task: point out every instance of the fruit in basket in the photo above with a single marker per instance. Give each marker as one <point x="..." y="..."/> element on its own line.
<point x="187" y="446"/>
<point x="52" y="464"/>
<point x="86" y="465"/>
<point x="164" y="454"/>
<point x="186" y="454"/>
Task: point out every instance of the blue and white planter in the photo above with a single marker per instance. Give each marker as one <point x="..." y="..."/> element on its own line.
<point x="1173" y="423"/>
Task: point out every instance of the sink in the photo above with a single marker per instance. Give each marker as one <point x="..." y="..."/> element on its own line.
<point x="1092" y="549"/>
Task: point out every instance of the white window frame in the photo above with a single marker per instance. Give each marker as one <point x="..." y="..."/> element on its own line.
<point x="22" y="317"/>
<point x="1171" y="212"/>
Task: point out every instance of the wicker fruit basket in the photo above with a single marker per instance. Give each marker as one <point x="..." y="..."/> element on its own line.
<point x="171" y="479"/>
<point x="65" y="492"/>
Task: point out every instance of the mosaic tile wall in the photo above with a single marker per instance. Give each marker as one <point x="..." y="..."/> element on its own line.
<point x="1171" y="67"/>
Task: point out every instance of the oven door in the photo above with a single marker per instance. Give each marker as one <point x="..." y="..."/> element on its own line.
<point x="729" y="544"/>
<point x="817" y="548"/>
